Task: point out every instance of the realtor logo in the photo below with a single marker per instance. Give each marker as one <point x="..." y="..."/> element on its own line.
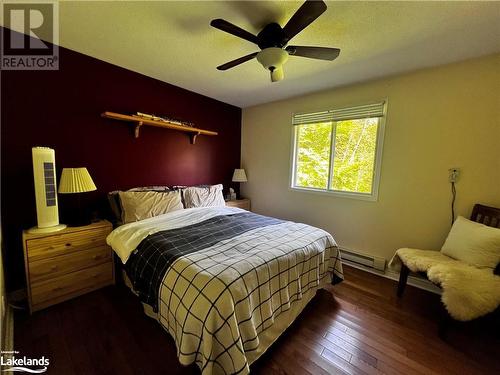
<point x="30" y="35"/>
<point x="10" y="363"/>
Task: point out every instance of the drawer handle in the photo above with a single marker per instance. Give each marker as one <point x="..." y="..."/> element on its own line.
<point x="53" y="268"/>
<point x="95" y="257"/>
<point x="68" y="244"/>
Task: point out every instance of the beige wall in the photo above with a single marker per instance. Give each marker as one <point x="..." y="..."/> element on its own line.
<point x="437" y="118"/>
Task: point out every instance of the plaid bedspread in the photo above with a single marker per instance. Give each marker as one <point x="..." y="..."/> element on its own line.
<point x="220" y="303"/>
<point x="146" y="267"/>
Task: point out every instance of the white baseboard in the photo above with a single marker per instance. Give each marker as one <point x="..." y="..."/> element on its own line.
<point x="415" y="281"/>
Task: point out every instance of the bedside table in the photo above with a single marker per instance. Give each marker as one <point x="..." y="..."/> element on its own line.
<point x="66" y="264"/>
<point x="240" y="203"/>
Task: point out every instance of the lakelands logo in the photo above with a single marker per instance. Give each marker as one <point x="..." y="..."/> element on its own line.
<point x="30" y="35"/>
<point x="11" y="363"/>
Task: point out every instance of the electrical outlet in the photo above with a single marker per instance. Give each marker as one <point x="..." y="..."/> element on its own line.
<point x="453" y="174"/>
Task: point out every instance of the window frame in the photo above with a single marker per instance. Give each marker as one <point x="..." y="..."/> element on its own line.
<point x="373" y="196"/>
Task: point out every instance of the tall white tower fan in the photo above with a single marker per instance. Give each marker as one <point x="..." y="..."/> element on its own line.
<point x="44" y="172"/>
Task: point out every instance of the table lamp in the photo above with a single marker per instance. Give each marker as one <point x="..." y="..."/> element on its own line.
<point x="239" y="175"/>
<point x="77" y="181"/>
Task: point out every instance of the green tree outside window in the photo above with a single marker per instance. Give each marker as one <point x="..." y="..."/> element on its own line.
<point x="353" y="161"/>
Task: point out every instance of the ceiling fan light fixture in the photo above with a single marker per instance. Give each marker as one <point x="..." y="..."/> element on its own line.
<point x="272" y="59"/>
<point x="277" y="74"/>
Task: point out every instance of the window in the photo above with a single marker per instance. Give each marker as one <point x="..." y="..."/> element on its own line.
<point x="339" y="151"/>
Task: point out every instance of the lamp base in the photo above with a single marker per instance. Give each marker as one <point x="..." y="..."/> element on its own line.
<point x="55" y="228"/>
<point x="79" y="222"/>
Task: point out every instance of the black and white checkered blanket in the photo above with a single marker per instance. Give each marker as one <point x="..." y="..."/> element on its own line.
<point x="230" y="285"/>
<point x="146" y="267"/>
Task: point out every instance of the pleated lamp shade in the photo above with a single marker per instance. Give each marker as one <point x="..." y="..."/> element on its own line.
<point x="239" y="175"/>
<point x="76" y="180"/>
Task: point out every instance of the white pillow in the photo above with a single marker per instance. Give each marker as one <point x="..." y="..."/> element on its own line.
<point x="140" y="205"/>
<point x="473" y="243"/>
<point x="210" y="196"/>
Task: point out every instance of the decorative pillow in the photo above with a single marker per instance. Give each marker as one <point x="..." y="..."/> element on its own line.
<point x="140" y="205"/>
<point x="114" y="204"/>
<point x="210" y="196"/>
<point x="473" y="243"/>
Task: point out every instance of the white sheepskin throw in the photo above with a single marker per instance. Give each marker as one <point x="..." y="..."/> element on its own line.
<point x="468" y="292"/>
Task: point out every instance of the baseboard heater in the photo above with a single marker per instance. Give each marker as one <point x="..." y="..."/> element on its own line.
<point x="357" y="258"/>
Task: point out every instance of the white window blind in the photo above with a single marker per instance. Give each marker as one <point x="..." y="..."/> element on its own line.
<point x="350" y="113"/>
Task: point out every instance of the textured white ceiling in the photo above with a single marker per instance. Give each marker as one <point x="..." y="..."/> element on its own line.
<point x="173" y="42"/>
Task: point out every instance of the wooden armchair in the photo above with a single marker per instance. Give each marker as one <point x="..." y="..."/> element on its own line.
<point x="489" y="216"/>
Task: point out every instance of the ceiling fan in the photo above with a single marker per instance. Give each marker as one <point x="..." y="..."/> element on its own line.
<point x="273" y="40"/>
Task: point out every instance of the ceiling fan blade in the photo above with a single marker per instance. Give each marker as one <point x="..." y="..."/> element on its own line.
<point x="233" y="63"/>
<point x="306" y="14"/>
<point x="234" y="30"/>
<point x="321" y="53"/>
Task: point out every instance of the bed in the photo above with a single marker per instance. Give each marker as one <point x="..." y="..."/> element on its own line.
<point x="224" y="282"/>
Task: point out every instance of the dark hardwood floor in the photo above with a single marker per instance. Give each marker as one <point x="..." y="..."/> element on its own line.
<point x="361" y="329"/>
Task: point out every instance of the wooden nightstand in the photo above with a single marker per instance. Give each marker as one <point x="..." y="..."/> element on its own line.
<point x="65" y="264"/>
<point x="240" y="203"/>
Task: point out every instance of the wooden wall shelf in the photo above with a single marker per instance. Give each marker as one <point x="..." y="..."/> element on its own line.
<point x="139" y="122"/>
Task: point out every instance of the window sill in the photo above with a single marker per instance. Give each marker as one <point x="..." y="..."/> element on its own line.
<point x="335" y="193"/>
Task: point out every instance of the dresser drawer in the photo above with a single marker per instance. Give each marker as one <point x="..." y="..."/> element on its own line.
<point x="45" y="293"/>
<point x="50" y="246"/>
<point x="53" y="267"/>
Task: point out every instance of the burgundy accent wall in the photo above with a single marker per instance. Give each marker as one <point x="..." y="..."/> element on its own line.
<point x="61" y="109"/>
